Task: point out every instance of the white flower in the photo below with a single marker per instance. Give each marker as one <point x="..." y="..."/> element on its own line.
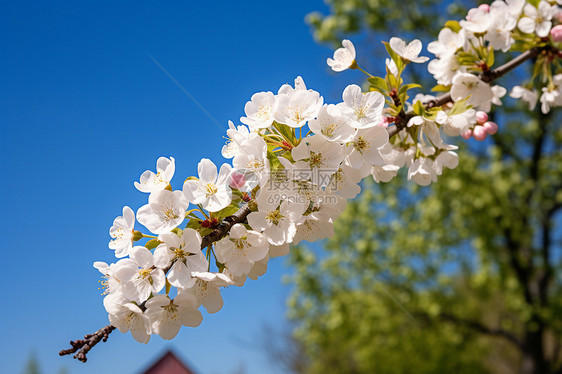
<point x="444" y="69"/>
<point x="241" y="249"/>
<point x="210" y="190"/>
<point x="111" y="283"/>
<point x="150" y="182"/>
<point x="314" y="226"/>
<point x="391" y="66"/>
<point x="259" y="110"/>
<point x="139" y="278"/>
<point x="296" y="109"/>
<point x="167" y="316"/>
<point x="206" y="289"/>
<point x="422" y="172"/>
<point x="183" y="253"/>
<point x="447" y="158"/>
<point x="530" y="97"/>
<point x="394" y="159"/>
<point x="127" y="316"/>
<point x="343" y="57"/>
<point x="447" y="44"/>
<point x="465" y="84"/>
<point x="322" y="157"/>
<point x="363" y="109"/>
<point x="286" y="89"/>
<point x="236" y="136"/>
<point x="549" y="98"/>
<point x="408" y="52"/>
<point x="165" y="210"/>
<point x="345" y="182"/>
<point x="537" y="20"/>
<point x="253" y="160"/>
<point x="502" y="24"/>
<point x="498" y="92"/>
<point x="122" y="233"/>
<point x="331" y="125"/>
<point x="455" y="124"/>
<point x="477" y="21"/>
<point x="274" y="218"/>
<point x="363" y="150"/>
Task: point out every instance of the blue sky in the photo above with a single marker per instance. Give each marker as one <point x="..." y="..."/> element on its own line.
<point x="84" y="111"/>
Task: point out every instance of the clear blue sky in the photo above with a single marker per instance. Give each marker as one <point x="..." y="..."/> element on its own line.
<point x="84" y="111"/>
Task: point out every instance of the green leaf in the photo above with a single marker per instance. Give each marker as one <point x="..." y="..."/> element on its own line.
<point x="453" y="25"/>
<point x="274" y="163"/>
<point x="153" y="243"/>
<point x="459" y="107"/>
<point x="407" y="87"/>
<point x="378" y="83"/>
<point x="397" y="59"/>
<point x="441" y="88"/>
<point x="193" y="224"/>
<point x="177" y="231"/>
<point x="418" y="108"/>
<point x="392" y="82"/>
<point x="228" y="211"/>
<point x="286" y="131"/>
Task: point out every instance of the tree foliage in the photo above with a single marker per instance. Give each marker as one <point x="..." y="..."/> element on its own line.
<point x="462" y="277"/>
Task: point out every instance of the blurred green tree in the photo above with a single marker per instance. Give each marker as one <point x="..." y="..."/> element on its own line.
<point x="463" y="276"/>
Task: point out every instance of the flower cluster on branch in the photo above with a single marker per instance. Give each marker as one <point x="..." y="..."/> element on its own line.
<point x="296" y="160"/>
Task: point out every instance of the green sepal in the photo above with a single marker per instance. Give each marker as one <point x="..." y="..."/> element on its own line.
<point x="168" y="286"/>
<point x="220" y="266"/>
<point x="137" y="235"/>
<point x="153" y="243"/>
<point x="491" y="57"/>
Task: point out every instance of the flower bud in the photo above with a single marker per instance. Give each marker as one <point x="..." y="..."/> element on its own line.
<point x="383" y="122"/>
<point x="484" y="7"/>
<point x="491" y="127"/>
<point x="481" y="117"/>
<point x="479" y="133"/>
<point x="237" y="180"/>
<point x="466" y="134"/>
<point x="556" y="33"/>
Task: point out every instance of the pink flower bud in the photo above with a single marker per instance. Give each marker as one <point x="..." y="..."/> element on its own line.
<point x="466" y="134"/>
<point x="479" y="133"/>
<point x="491" y="127"/>
<point x="556" y="33"/>
<point x="384" y="122"/>
<point x="484" y="7"/>
<point x="237" y="180"/>
<point x="481" y="117"/>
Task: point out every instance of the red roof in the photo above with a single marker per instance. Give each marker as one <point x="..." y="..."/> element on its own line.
<point x="168" y="364"/>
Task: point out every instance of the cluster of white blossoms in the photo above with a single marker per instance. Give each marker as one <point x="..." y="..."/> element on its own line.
<point x="295" y="161"/>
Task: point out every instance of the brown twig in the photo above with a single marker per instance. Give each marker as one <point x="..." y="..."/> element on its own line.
<point x="83" y="346"/>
